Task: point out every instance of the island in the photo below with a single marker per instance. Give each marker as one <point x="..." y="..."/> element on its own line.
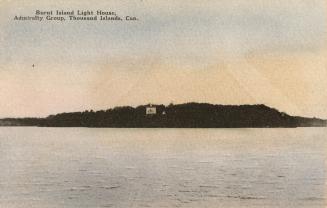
<point x="188" y="115"/>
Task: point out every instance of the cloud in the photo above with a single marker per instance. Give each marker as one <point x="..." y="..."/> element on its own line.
<point x="179" y="51"/>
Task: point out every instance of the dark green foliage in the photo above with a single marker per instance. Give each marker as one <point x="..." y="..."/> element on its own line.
<point x="189" y="115"/>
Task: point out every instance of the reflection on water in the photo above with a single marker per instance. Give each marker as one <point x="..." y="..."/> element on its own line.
<point x="78" y="167"/>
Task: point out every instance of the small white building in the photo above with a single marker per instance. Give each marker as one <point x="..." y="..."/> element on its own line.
<point x="151" y="110"/>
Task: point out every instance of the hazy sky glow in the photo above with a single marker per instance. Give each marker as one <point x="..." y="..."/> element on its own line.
<point x="224" y="52"/>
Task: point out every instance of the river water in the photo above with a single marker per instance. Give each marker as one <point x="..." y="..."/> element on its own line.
<point x="81" y="167"/>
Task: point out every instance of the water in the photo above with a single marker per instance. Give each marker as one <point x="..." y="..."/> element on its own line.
<point x="80" y="167"/>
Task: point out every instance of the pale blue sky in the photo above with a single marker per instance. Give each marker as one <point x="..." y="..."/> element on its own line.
<point x="169" y="29"/>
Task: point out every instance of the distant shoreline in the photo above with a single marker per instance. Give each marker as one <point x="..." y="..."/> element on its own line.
<point x="188" y="115"/>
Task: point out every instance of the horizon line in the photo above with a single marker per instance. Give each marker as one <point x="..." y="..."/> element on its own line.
<point x="166" y="105"/>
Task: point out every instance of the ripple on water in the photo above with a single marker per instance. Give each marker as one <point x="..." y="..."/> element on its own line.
<point x="215" y="175"/>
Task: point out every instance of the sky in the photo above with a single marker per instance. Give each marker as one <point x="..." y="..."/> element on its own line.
<point x="236" y="52"/>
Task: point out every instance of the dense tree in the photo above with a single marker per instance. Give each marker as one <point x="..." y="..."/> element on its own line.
<point x="189" y="115"/>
